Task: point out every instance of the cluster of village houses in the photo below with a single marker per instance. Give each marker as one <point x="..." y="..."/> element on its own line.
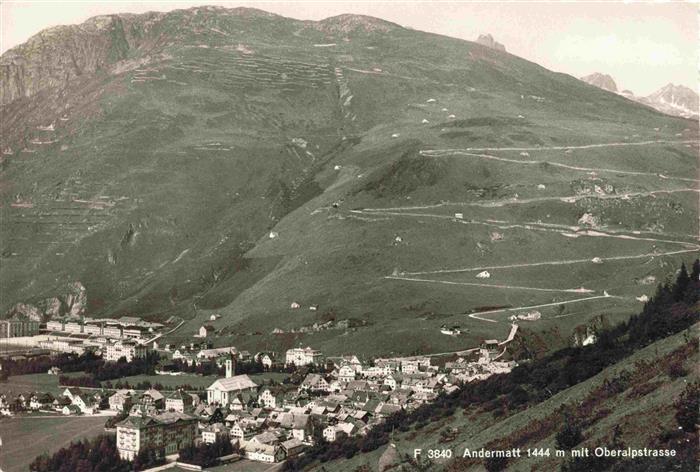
<point x="271" y="422"/>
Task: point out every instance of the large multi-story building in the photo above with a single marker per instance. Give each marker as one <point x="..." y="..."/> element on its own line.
<point x="163" y="434"/>
<point x="54" y="325"/>
<point x="92" y="328"/>
<point x="68" y="345"/>
<point x="112" y="331"/>
<point x="18" y="326"/>
<point x="73" y="327"/>
<point x="129" y="349"/>
<point x="303" y="356"/>
<point x="132" y="332"/>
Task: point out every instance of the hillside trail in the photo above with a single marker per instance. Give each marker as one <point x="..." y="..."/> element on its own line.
<point x="495" y="286"/>
<point x="479" y="315"/>
<point x="525" y="201"/>
<point x="548" y="263"/>
<point x="584" y="146"/>
<point x="456" y="152"/>
<point x="571" y="231"/>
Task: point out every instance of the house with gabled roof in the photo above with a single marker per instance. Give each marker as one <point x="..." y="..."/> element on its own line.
<point x="71" y="410"/>
<point x="315" y="382"/>
<point x="255" y="451"/>
<point x="267" y="359"/>
<point x="205" y="331"/>
<point x="346" y="373"/>
<point x="293" y="447"/>
<point x="181" y="401"/>
<point x="331" y="433"/>
<point x="121" y="400"/>
<point x="153" y="397"/>
<point x="274" y="396"/>
<point x="394" y="380"/>
<point x="212" y="432"/>
<point x="86" y="402"/>
<point x="71" y="391"/>
<point x="40" y="401"/>
<point x="299" y="425"/>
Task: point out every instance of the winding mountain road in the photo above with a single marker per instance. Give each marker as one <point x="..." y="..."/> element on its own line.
<point x="512" y="201"/>
<point x="549" y="263"/>
<point x="457" y="152"/>
<point x="479" y="315"/>
<point x="496" y="286"/>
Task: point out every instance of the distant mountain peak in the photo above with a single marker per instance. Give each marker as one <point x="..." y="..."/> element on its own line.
<point x="488" y="41"/>
<point x="675" y="100"/>
<point x="671" y="99"/>
<point x="603" y="81"/>
<point x="673" y="88"/>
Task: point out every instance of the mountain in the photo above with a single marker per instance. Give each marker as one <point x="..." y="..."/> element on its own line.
<point x="603" y="81"/>
<point x="488" y="41"/>
<point x="675" y="100"/>
<point x="236" y="162"/>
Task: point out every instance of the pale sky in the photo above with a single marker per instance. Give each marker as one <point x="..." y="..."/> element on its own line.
<point x="643" y="46"/>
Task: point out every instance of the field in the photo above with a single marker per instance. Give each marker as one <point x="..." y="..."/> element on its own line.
<point x="24" y="438"/>
<point x="31" y="383"/>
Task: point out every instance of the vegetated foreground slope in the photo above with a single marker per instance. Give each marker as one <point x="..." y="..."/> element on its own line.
<point x="637" y="387"/>
<point x="631" y="404"/>
<point x="235" y="162"/>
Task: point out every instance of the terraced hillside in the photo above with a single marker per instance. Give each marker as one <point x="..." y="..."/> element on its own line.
<point x="233" y="162"/>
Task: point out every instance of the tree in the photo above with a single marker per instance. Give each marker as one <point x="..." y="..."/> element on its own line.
<point x="681" y="285"/>
<point x="570" y="436"/>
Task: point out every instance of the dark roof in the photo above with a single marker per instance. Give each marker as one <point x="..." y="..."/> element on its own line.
<point x="138" y="421"/>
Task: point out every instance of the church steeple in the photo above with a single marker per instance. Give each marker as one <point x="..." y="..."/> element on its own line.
<point x="230" y="366"/>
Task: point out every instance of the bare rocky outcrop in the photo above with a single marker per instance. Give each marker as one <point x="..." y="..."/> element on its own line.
<point x="71" y="303"/>
<point x="488" y="41"/>
<point x="27" y="311"/>
<point x="76" y="300"/>
<point x="603" y="81"/>
<point x="51" y="307"/>
<point x="56" y="56"/>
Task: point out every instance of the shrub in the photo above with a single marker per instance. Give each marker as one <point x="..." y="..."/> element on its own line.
<point x="687" y="408"/>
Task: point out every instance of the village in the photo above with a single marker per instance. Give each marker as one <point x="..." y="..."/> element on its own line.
<point x="320" y="398"/>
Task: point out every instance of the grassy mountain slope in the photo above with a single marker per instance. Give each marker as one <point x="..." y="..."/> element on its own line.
<point x="180" y="142"/>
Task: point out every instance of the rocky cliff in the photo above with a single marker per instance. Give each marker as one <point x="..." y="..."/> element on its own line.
<point x="603" y="81"/>
<point x="56" y="56"/>
<point x="488" y="41"/>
